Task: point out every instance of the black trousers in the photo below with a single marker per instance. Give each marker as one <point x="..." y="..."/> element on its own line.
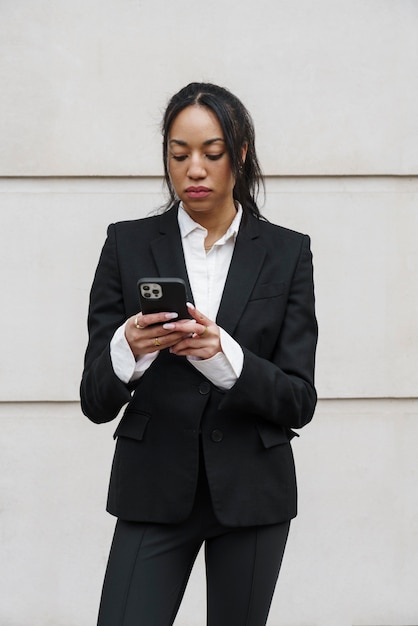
<point x="150" y="564"/>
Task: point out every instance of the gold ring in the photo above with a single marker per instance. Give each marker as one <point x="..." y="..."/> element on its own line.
<point x="204" y="332"/>
<point x="157" y="342"/>
<point x="138" y="325"/>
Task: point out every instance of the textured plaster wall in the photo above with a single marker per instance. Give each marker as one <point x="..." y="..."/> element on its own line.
<point x="333" y="90"/>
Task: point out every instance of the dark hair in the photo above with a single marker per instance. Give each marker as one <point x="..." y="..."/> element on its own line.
<point x="238" y="130"/>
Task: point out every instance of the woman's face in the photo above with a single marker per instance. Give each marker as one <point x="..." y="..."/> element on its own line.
<point x="198" y="163"/>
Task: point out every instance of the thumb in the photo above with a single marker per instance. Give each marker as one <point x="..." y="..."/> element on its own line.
<point x="197" y="315"/>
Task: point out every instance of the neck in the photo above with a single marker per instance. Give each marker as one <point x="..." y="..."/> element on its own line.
<point x="216" y="224"/>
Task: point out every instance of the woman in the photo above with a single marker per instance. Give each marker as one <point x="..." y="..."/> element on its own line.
<point x="203" y="449"/>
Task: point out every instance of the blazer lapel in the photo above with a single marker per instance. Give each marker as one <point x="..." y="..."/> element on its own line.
<point x="167" y="250"/>
<point x="246" y="264"/>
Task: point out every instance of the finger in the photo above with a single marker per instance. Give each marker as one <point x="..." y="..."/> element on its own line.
<point x="204" y="322"/>
<point x="200" y="334"/>
<point x="183" y="326"/>
<point x="198" y="315"/>
<point x="157" y="343"/>
<point x="137" y="322"/>
<point x="143" y="321"/>
<point x="162" y="341"/>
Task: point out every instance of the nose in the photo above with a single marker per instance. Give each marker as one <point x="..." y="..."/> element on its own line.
<point x="196" y="168"/>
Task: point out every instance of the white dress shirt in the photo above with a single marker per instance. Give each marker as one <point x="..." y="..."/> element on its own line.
<point x="207" y="272"/>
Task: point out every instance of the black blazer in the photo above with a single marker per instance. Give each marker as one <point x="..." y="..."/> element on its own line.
<point x="268" y="307"/>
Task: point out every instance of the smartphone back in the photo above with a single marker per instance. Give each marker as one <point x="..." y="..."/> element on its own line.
<point x="163" y="294"/>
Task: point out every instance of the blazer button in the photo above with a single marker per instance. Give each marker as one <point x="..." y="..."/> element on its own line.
<point x="204" y="388"/>
<point x="217" y="436"/>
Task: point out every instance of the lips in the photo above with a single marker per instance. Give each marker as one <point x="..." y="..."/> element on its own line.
<point x="198" y="192"/>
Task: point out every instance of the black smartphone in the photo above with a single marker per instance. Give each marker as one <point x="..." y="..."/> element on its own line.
<point x="163" y="294"/>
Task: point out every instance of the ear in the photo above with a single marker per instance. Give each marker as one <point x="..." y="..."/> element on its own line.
<point x="244" y="151"/>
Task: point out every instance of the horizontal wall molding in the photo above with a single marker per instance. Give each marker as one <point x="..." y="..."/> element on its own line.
<point x="363" y="232"/>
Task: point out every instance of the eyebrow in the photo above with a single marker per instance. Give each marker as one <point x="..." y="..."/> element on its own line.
<point x="208" y="142"/>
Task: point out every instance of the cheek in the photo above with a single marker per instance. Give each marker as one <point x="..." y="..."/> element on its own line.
<point x="174" y="172"/>
<point x="225" y="174"/>
<point x="229" y="178"/>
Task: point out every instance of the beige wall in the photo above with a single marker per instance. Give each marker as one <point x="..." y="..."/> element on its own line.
<point x="333" y="90"/>
<point x="331" y="84"/>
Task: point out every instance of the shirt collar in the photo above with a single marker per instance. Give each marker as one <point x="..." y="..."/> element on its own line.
<point x="187" y="225"/>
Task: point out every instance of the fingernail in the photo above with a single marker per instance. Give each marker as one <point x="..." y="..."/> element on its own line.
<point x="171" y="316"/>
<point x="169" y="326"/>
<point x="190" y="305"/>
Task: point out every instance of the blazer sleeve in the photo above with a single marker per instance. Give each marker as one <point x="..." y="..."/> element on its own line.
<point x="102" y="393"/>
<point x="281" y="389"/>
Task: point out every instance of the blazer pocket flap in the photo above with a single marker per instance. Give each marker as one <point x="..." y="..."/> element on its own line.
<point x="133" y="425"/>
<point x="272" y="435"/>
<point x="268" y="290"/>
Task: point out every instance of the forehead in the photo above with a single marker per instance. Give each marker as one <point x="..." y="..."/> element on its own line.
<point x="198" y="122"/>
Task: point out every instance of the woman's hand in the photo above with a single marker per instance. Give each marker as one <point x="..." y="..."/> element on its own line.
<point x="150" y="333"/>
<point x="203" y="343"/>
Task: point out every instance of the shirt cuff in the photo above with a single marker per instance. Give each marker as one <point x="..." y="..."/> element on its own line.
<point x="124" y="364"/>
<point x="225" y="367"/>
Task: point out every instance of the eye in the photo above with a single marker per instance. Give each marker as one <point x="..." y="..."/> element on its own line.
<point x="215" y="157"/>
<point x="179" y="157"/>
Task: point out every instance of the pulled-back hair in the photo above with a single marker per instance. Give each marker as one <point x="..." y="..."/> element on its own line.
<point x="238" y="130"/>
